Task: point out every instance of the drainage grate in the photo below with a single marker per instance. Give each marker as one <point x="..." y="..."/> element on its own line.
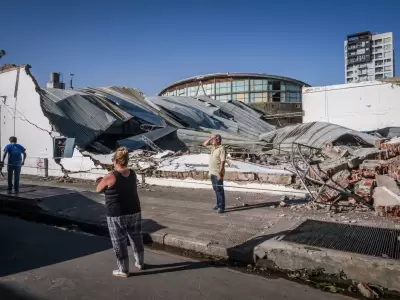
<point x="373" y="241"/>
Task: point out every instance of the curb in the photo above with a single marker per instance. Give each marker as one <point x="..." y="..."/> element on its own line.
<point x="162" y="237"/>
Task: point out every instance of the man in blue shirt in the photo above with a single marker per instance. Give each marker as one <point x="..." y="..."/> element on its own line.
<point x="15" y="153"/>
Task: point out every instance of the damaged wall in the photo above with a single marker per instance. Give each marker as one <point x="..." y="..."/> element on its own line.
<point x="364" y="106"/>
<point x="22" y="116"/>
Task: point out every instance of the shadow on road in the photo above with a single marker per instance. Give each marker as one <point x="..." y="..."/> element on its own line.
<point x="246" y="249"/>
<point x="248" y="206"/>
<point x="169" y="268"/>
<point x="9" y="293"/>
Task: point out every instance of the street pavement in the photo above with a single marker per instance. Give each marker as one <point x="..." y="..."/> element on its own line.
<point x="41" y="262"/>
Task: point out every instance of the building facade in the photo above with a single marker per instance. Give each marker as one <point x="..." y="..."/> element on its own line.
<point x="277" y="96"/>
<point x="368" y="56"/>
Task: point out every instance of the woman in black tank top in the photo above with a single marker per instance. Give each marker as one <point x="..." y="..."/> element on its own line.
<point x="123" y="212"/>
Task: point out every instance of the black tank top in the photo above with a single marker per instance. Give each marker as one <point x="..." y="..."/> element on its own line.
<point x="122" y="198"/>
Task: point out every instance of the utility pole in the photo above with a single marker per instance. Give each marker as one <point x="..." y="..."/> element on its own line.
<point x="71" y="75"/>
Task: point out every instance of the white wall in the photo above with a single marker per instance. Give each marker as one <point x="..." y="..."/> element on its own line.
<point x="33" y="129"/>
<point x="360" y="106"/>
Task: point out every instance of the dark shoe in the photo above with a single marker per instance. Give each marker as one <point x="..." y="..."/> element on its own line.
<point x="16" y="192"/>
<point x="221" y="211"/>
<point x="215" y="207"/>
<point x="9" y="192"/>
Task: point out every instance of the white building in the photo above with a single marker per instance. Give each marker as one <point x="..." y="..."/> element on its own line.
<point x="22" y="116"/>
<point x="363" y="106"/>
<point x="368" y="57"/>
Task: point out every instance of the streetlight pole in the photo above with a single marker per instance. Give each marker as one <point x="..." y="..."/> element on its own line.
<point x="71" y="75"/>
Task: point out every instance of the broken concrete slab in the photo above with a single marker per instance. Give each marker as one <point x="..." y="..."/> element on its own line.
<point x="388" y="182"/>
<point x="286" y="256"/>
<point x="340" y="181"/>
<point x="386" y="202"/>
<point x="370" y="168"/>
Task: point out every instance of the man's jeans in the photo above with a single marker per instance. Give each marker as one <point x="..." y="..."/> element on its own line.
<point x="218" y="187"/>
<point x="16" y="171"/>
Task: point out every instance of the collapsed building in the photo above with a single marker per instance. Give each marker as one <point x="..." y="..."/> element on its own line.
<point x="74" y="133"/>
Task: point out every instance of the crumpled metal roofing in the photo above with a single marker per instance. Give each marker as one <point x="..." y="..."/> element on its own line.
<point x="187" y="110"/>
<point x="80" y="115"/>
<point x="249" y="120"/>
<point x="134" y="104"/>
<point x="136" y="142"/>
<point x="316" y="134"/>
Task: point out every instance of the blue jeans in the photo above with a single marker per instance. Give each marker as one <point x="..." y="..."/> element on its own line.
<point x="218" y="187"/>
<point x="16" y="171"/>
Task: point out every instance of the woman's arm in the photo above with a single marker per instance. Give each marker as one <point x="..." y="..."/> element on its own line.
<point x="107" y="181"/>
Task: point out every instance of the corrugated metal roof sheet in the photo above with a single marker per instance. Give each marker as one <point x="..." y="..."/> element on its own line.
<point x="315" y="134"/>
<point x="135" y="142"/>
<point x="189" y="111"/>
<point x="80" y="115"/>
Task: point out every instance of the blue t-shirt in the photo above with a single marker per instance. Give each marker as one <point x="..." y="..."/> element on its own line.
<point x="14" y="154"/>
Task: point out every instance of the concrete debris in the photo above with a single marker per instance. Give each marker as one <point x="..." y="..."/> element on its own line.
<point x="366" y="291"/>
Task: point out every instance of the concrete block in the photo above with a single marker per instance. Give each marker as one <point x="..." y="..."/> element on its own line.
<point x="284" y="179"/>
<point x="239" y="176"/>
<point x="386" y="202"/>
<point x="329" y="168"/>
<point x="364" y="187"/>
<point x="370" y="168"/>
<point x="185" y="242"/>
<point x="341" y="179"/>
<point x="388" y="182"/>
<point x="285" y="256"/>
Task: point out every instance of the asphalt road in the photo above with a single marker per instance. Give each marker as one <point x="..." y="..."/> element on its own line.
<point x="41" y="262"/>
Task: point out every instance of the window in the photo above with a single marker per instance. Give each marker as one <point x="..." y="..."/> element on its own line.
<point x="387" y="40"/>
<point x="349" y="67"/>
<point x="192" y="91"/>
<point x="388" y="54"/>
<point x="378" y="76"/>
<point x="209" y="88"/>
<point x="258" y="97"/>
<point x="350" y="73"/>
<point x="388" y="68"/>
<point x="379" y="55"/>
<point x="181" y="92"/>
<point x="363" y="71"/>
<point x="363" y="78"/>
<point x="388" y="60"/>
<point x="223" y="87"/>
<point x="292" y="88"/>
<point x="378" y="49"/>
<point x="387" y="75"/>
<point x="378" y="42"/>
<point x="360" y="51"/>
<point x="240" y="86"/>
<point x="258" y="85"/>
<point x="379" y="70"/>
<point x="241" y="97"/>
<point x="378" y="62"/>
<point x="223" y="98"/>
<point x="349" y="80"/>
<point x="387" y="47"/>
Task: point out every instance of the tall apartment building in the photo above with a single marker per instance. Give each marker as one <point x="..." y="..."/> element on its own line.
<point x="368" y="56"/>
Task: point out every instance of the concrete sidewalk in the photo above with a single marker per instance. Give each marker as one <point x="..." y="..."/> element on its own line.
<point x="184" y="218"/>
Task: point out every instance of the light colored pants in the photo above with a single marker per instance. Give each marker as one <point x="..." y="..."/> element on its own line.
<point x="124" y="227"/>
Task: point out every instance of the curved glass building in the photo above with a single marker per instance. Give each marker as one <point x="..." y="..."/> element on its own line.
<point x="277" y="96"/>
<point x="245" y="87"/>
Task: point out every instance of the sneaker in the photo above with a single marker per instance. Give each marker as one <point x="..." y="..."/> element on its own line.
<point x="118" y="273"/>
<point x="215" y="207"/>
<point x="139" y="266"/>
<point x="221" y="211"/>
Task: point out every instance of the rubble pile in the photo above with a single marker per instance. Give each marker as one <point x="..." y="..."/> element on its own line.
<point x="165" y="135"/>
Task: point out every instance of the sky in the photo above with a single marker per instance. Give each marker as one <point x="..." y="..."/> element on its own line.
<point x="151" y="44"/>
